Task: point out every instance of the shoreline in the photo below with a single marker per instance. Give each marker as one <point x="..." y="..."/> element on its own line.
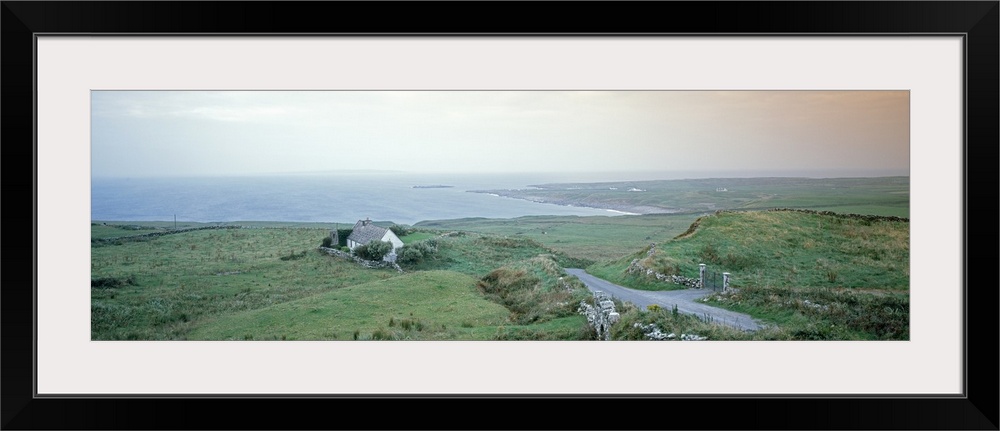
<point x="613" y="208"/>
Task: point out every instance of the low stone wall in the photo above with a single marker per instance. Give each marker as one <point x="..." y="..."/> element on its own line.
<point x="363" y="262"/>
<point x="865" y="217"/>
<point x="602" y="316"/>
<point x="636" y="268"/>
<point x="653" y="332"/>
<point x="145" y="236"/>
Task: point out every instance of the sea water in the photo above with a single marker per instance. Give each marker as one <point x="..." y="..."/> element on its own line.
<point x="339" y="198"/>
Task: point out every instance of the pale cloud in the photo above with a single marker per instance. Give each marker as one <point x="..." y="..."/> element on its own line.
<point x="223" y="132"/>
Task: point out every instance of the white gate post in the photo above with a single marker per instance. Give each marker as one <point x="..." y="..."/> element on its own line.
<point x="701" y="274"/>
<point x="725" y="281"/>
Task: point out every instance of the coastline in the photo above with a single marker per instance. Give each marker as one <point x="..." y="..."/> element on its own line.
<point x="617" y="209"/>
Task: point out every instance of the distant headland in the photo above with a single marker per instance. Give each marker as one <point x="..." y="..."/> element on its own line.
<point x="433" y="186"/>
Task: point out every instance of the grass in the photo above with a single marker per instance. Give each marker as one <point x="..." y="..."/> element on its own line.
<point x="234" y="283"/>
<point x="590" y="239"/>
<point x="478" y="254"/>
<point x="791" y="248"/>
<point x="669" y="322"/>
<point x="825" y="313"/>
<point x="881" y="196"/>
<point x="418" y="236"/>
<point x="614" y="271"/>
<point x="782" y="248"/>
<point x="817" y="276"/>
<point x="179" y="279"/>
<point x="810" y="275"/>
<point x="534" y="290"/>
<point x="430" y="305"/>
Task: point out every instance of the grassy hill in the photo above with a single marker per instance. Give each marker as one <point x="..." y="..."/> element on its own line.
<point x="784" y="248"/>
<point x="272" y="283"/>
<point x="821" y="275"/>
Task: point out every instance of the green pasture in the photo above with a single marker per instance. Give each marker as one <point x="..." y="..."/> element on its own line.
<point x="887" y="196"/>
<point x="808" y="275"/>
<point x="592" y="239"/>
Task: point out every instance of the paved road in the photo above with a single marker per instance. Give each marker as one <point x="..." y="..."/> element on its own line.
<point x="684" y="299"/>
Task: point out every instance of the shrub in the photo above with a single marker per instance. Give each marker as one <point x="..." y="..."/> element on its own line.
<point x="294" y="256"/>
<point x="342" y="235"/>
<point x="416" y="252"/>
<point x="381" y="334"/>
<point x="413" y="324"/>
<point x="409" y="255"/>
<point x="374" y="250"/>
<point x="399" y="230"/>
<point x="327" y="242"/>
<point x="505" y="281"/>
<point x="112" y="282"/>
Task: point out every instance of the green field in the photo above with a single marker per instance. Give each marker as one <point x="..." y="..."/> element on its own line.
<point x="808" y="275"/>
<point x="880" y="196"/>
<point x="426" y="305"/>
<point x="593" y="238"/>
<point x="273" y="283"/>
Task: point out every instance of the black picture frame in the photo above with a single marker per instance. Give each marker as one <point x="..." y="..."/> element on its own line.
<point x="976" y="21"/>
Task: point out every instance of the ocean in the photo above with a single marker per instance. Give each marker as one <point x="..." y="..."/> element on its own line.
<point x="326" y="198"/>
<point x="348" y="197"/>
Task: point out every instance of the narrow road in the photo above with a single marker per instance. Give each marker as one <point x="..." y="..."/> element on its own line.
<point x="684" y="299"/>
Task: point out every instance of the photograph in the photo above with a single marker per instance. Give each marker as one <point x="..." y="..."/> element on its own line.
<point x="500" y="215"/>
<point x="721" y="215"/>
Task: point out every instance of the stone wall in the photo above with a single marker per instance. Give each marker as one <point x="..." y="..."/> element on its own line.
<point x="865" y="217"/>
<point x="602" y="316"/>
<point x="363" y="262"/>
<point x="145" y="236"/>
<point x="653" y="332"/>
<point x="637" y="268"/>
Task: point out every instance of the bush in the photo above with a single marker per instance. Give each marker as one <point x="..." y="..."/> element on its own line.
<point x="416" y="252"/>
<point x="504" y="282"/>
<point x="112" y="282"/>
<point x="400" y="231"/>
<point x="342" y="235"/>
<point x="374" y="250"/>
<point x="327" y="242"/>
<point x="293" y="256"/>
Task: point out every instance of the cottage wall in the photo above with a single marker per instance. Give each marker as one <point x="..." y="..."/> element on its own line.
<point x="391" y="237"/>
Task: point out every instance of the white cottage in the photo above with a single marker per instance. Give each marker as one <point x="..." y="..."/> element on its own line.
<point x="365" y="232"/>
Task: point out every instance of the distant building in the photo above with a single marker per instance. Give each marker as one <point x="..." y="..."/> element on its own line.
<point x="721" y="189"/>
<point x="365" y="232"/>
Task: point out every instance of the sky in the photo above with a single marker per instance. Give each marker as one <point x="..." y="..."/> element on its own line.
<point x="207" y="133"/>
